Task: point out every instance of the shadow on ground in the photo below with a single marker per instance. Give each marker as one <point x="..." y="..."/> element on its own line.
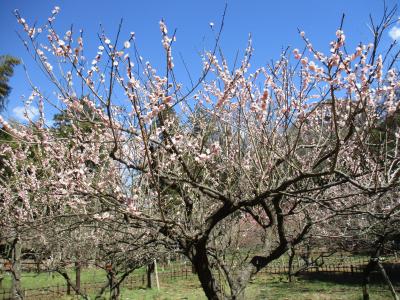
<point x="392" y="270"/>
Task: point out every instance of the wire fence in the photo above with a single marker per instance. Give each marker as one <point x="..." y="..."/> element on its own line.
<point x="351" y="266"/>
<point x="131" y="282"/>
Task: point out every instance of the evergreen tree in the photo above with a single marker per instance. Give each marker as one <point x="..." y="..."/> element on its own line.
<point x="7" y="64"/>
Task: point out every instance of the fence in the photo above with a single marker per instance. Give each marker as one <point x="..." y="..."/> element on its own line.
<point x="323" y="268"/>
<point x="334" y="265"/>
<point x="133" y="281"/>
<point x="320" y="263"/>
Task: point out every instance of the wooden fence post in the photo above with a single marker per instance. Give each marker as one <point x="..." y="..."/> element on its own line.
<point x="156" y="273"/>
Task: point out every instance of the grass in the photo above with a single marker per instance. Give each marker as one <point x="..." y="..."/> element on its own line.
<point x="173" y="289"/>
<point x="274" y="287"/>
<point x="262" y="287"/>
<point x="31" y="280"/>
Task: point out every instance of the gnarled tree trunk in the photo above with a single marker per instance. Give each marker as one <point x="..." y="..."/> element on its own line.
<point x="17" y="292"/>
<point x="201" y="263"/>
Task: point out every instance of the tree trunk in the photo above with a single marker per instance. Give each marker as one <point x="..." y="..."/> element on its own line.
<point x="78" y="276"/>
<point x="290" y="263"/>
<point x="102" y="290"/>
<point x="17" y="292"/>
<point x="64" y="274"/>
<point x="111" y="283"/>
<point x="149" y="270"/>
<point x="114" y="290"/>
<point x="168" y="259"/>
<point x="116" y="297"/>
<point x="238" y="294"/>
<point x="203" y="269"/>
<point x="366" y="278"/>
<point x="115" y="283"/>
<point x="68" y="289"/>
<point x="193" y="269"/>
<point x="374" y="260"/>
<point x="387" y="279"/>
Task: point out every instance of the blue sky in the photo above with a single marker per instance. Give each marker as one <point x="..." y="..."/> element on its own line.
<point x="273" y="25"/>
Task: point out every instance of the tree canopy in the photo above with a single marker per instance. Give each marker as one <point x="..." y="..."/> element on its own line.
<point x="7" y="64"/>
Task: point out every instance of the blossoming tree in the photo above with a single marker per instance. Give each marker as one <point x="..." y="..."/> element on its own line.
<point x="267" y="147"/>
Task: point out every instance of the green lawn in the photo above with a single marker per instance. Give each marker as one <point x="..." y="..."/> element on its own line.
<point x="263" y="287"/>
<point x="276" y="288"/>
<point x="32" y="280"/>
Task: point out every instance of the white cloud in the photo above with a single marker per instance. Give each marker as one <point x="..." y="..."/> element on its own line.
<point x="24" y="113"/>
<point x="394" y="33"/>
